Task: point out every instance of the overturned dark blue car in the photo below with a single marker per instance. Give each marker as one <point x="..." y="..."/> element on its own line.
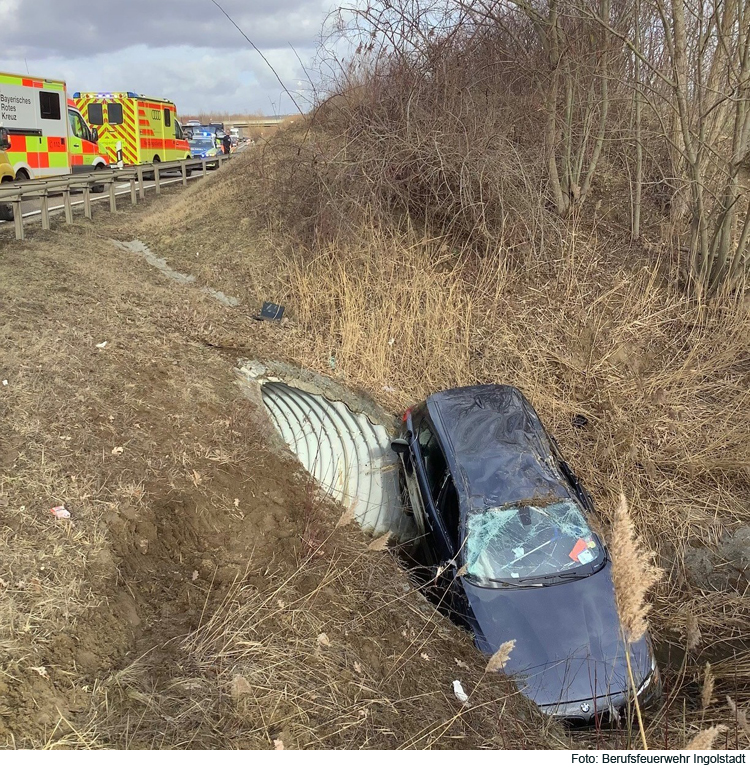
<point x="504" y="545"/>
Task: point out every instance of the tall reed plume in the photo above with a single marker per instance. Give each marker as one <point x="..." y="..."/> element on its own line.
<point x="633" y="574"/>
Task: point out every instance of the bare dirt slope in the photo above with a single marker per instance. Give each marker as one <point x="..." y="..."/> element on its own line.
<point x="200" y="593"/>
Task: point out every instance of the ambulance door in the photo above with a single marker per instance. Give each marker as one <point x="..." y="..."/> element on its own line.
<point x="45" y="147"/>
<point x="81" y="146"/>
<point x="181" y="143"/>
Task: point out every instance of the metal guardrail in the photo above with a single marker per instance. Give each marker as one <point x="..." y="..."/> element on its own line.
<point x="15" y="193"/>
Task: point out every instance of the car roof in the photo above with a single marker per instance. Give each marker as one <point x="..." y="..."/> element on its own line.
<point x="496" y="446"/>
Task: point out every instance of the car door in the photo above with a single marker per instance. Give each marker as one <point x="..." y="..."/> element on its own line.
<point x="432" y="471"/>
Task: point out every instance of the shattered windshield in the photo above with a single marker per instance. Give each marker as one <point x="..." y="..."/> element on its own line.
<point x="530" y="541"/>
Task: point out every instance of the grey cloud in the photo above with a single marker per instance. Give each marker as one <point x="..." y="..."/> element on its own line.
<point x="73" y="28"/>
<point x="182" y="49"/>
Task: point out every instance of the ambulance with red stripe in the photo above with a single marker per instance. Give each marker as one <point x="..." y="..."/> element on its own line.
<point x="147" y="127"/>
<point x="45" y="133"/>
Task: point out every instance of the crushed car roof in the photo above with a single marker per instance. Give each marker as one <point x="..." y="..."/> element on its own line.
<point x="497" y="444"/>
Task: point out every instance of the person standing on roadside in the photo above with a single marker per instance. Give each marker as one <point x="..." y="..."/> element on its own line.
<point x="226" y="143"/>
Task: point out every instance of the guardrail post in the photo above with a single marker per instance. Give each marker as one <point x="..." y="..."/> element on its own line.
<point x="87" y="200"/>
<point x="133" y="193"/>
<point x="68" y="206"/>
<point x="183" y="167"/>
<point x="141" y="188"/>
<point x="45" y="210"/>
<point x="156" y="179"/>
<point x="113" y="196"/>
<point x="18" y="218"/>
<point x="203" y="165"/>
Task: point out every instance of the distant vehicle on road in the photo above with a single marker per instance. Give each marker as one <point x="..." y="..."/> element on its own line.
<point x="491" y="496"/>
<point x="147" y="127"/>
<point x="203" y="145"/>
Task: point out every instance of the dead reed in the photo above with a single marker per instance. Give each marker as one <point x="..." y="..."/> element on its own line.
<point x="633" y="575"/>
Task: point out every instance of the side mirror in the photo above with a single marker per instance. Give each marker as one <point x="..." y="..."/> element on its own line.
<point x="399" y="446"/>
<point x="4" y="140"/>
<point x="95" y="134"/>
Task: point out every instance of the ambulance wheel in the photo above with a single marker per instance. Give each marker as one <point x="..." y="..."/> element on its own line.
<point x="6" y="209"/>
<point x="99" y="188"/>
<point x="151" y="176"/>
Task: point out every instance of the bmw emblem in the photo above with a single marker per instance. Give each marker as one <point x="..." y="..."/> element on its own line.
<point x="585" y="707"/>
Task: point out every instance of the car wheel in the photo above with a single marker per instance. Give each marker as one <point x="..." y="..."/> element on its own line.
<point x="99" y="188"/>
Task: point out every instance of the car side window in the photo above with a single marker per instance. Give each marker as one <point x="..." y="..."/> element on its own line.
<point x="436" y="468"/>
<point x="424" y="436"/>
<point x="447" y="505"/>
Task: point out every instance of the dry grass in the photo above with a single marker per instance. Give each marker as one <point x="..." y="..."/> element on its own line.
<point x="592" y="328"/>
<point x="184" y="603"/>
<point x="582" y="322"/>
<point x="275" y="662"/>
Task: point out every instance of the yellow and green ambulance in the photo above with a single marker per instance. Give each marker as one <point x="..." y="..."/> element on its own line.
<point x="146" y="127"/>
<point x="45" y="131"/>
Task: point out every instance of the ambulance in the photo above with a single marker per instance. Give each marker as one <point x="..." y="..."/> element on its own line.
<point x="147" y="127"/>
<point x="45" y="134"/>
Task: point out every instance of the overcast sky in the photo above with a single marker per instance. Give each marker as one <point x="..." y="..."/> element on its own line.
<point x="184" y="50"/>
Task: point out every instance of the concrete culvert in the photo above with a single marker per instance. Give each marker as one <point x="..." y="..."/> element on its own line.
<point x="348" y="454"/>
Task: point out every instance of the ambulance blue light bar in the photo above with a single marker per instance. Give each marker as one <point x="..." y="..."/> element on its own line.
<point x="77" y="95"/>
